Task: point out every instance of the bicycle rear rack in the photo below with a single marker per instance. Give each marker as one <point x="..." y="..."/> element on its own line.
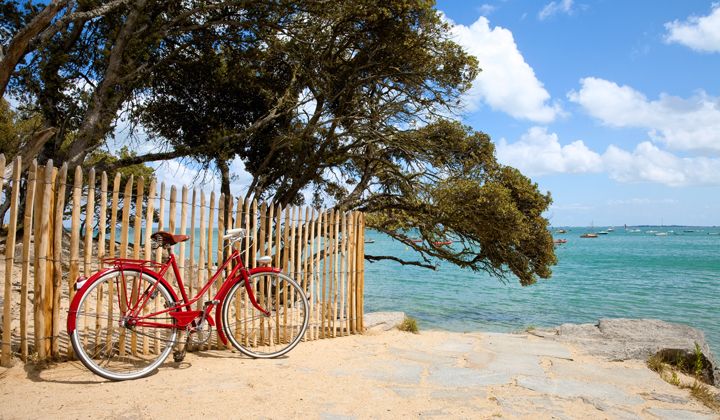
<point x="125" y="262"/>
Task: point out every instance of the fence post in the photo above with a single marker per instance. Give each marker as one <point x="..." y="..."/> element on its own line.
<point x="27" y="231"/>
<point x="74" y="270"/>
<point x="5" y="358"/>
<point x="57" y="258"/>
<point x="42" y="345"/>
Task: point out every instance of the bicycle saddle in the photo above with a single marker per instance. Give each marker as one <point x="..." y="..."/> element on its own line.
<point x="167" y="239"/>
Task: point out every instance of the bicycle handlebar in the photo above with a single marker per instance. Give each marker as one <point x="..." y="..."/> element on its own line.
<point x="238" y="233"/>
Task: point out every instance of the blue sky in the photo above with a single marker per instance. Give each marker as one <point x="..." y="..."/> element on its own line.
<point x="613" y="107"/>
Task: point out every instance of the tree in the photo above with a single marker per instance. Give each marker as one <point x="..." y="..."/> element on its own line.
<point x="351" y="101"/>
<point x="333" y="102"/>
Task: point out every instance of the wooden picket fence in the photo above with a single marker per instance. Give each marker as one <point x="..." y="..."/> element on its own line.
<point x="321" y="250"/>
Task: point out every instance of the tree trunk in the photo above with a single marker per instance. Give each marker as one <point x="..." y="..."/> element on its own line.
<point x="18" y="46"/>
<point x="106" y="99"/>
<point x="225" y="189"/>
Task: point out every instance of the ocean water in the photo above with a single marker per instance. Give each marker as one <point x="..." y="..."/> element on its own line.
<point x="625" y="274"/>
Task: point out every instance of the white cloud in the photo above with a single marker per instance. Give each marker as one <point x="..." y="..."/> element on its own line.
<point x="486" y="9"/>
<point x="699" y="33"/>
<point x="507" y="83"/>
<point x="648" y="163"/>
<point x="539" y="153"/>
<point x="553" y="8"/>
<point x="691" y="124"/>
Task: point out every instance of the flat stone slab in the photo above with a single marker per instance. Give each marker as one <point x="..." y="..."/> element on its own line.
<point x="634" y="339"/>
<point x="600" y="394"/>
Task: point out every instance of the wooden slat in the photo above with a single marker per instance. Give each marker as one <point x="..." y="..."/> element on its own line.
<point x="161" y="219"/>
<point x="312" y="270"/>
<point x="159" y="251"/>
<point x="27" y="231"/>
<point x="361" y="272"/>
<point x="239" y="223"/>
<point x="147" y="254"/>
<point x="172" y="215"/>
<point x="37" y="233"/>
<point x="352" y="251"/>
<point x="124" y="227"/>
<point x="211" y="226"/>
<point x="42" y="345"/>
<point x="74" y="269"/>
<point x="305" y="259"/>
<point x="246" y="250"/>
<point x="89" y="226"/>
<point x="149" y="219"/>
<point x="48" y="303"/>
<point x="102" y="216"/>
<point x="336" y="272"/>
<point x="262" y="234"/>
<point x="220" y="232"/>
<point x="183" y="231"/>
<point x="325" y="262"/>
<point x="201" y="259"/>
<point x="293" y="252"/>
<point x="343" y="274"/>
<point x="102" y="227"/>
<point x="5" y="358"/>
<point x="137" y="223"/>
<point x="191" y="271"/>
<point x="88" y="252"/>
<point x="57" y="258"/>
<point x="125" y="224"/>
<point x="113" y="216"/>
<point x="137" y="232"/>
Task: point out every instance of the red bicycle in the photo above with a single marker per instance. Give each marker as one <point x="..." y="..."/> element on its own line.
<point x="125" y="319"/>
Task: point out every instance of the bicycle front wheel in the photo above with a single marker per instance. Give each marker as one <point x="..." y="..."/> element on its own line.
<point x="104" y="340"/>
<point x="258" y="335"/>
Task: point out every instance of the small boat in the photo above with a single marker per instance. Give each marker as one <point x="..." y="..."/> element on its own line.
<point x="611" y="229"/>
<point x="561" y="231"/>
<point x="589" y="235"/>
<point x="370" y="241"/>
<point x="603" y="232"/>
<point x="560" y="241"/>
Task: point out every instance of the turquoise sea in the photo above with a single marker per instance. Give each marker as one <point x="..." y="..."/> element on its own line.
<point x="627" y="273"/>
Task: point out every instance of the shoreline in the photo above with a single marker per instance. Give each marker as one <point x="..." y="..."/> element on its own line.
<point x="382" y="374"/>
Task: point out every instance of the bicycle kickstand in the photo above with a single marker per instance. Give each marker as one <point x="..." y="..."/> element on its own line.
<point x="181" y="348"/>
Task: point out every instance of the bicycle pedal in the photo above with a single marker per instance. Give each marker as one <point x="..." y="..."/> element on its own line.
<point x="212" y="302"/>
<point x="178" y="356"/>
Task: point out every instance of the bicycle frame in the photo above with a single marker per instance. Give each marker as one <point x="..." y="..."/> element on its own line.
<point x="181" y="311"/>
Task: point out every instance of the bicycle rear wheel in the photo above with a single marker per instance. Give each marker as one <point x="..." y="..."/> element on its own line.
<point x="260" y="336"/>
<point x="106" y="344"/>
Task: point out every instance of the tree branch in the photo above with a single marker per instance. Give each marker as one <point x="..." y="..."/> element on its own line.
<point x="374" y="258"/>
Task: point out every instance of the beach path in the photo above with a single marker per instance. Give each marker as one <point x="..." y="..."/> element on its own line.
<point x="381" y="374"/>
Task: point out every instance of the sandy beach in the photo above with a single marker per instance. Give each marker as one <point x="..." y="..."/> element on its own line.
<point x="382" y="374"/>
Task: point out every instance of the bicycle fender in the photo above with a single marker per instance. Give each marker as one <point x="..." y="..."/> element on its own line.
<point x="75" y="303"/>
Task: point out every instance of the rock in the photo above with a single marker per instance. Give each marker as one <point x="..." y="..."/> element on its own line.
<point x="639" y="339"/>
<point x="383" y="320"/>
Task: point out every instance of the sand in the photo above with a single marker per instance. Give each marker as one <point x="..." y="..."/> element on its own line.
<point x="377" y="375"/>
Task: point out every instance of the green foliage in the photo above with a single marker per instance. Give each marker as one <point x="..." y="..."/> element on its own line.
<point x="409" y="324"/>
<point x="139" y="170"/>
<point x="698" y="368"/>
<point x="15" y="129"/>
